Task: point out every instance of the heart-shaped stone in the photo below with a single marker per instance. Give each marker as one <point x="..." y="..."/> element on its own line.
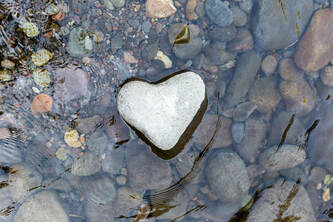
<point x="162" y="111"/>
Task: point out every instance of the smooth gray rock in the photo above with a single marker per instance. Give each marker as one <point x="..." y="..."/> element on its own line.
<point x="219" y="12"/>
<point x="274" y="29"/>
<point x="86" y="165"/>
<point x="162" y="111"/>
<point x="237" y="132"/>
<point x="43" y="206"/>
<point x="284" y="157"/>
<point x="246" y="70"/>
<point x="79" y="44"/>
<point x="223" y="34"/>
<point x="243" y="111"/>
<point x="285" y="201"/>
<point x="189" y="50"/>
<point x="227" y="176"/>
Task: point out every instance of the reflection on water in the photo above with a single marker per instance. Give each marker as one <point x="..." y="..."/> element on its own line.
<point x="67" y="155"/>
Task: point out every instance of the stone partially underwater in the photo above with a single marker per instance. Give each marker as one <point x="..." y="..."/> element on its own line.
<point x="165" y="113"/>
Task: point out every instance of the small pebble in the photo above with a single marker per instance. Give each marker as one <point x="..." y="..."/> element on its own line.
<point x="7" y="64"/>
<point x="41" y="57"/>
<point x="4" y="133"/>
<point x="5" y="75"/>
<point x="30" y="29"/>
<point x="121" y="180"/>
<point x="269" y="64"/>
<point x="41" y="103"/>
<point x="72" y="138"/>
<point x="164" y="58"/>
<point x="41" y="77"/>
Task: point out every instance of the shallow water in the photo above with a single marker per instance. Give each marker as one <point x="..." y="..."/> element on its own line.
<point x="266" y="130"/>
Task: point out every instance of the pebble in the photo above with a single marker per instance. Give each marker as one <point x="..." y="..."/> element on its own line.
<point x="242" y="42"/>
<point x="41" y="77"/>
<point x="115" y="127"/>
<point x="287" y="201"/>
<point x="246" y="70"/>
<point x="238" y="132"/>
<point x="164" y="58"/>
<point x="246" y="5"/>
<point x="279" y="158"/>
<point x="239" y="16"/>
<point x="5" y="75"/>
<point x="42" y="206"/>
<point x="79" y="44"/>
<point x="217" y="53"/>
<point x="108" y="4"/>
<point x="255" y="134"/>
<point x="229" y="181"/>
<point x="190" y="10"/>
<point x="289" y="71"/>
<point x="97" y="142"/>
<point x="129" y="58"/>
<point x="162" y="112"/>
<point x="146" y="26"/>
<point x="41" y="103"/>
<point x="223" y="34"/>
<point x="326" y="75"/>
<point x="319" y="36"/>
<point x="118" y="3"/>
<point x="98" y="189"/>
<point x="87" y="125"/>
<point x="117" y="42"/>
<point x="298" y="96"/>
<point x="113" y="161"/>
<point x="243" y="111"/>
<point x="160" y="8"/>
<point x="30" y="29"/>
<point x="159" y="175"/>
<point x="86" y="165"/>
<point x="264" y="94"/>
<point x="279" y="31"/>
<point x="70" y="83"/>
<point x="206" y="129"/>
<point x="219" y="12"/>
<point x="4" y="133"/>
<point x="269" y="65"/>
<point x="41" y="57"/>
<point x="23" y="181"/>
<point x="189" y="50"/>
<point x="121" y="180"/>
<point x="72" y="137"/>
<point x="7" y="64"/>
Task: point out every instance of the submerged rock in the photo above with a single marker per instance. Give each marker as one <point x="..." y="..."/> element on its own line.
<point x="284" y="201"/>
<point x="279" y="24"/>
<point x="160" y="8"/>
<point x="162" y="112"/>
<point x="227" y="176"/>
<point x="219" y="12"/>
<point x="86" y="165"/>
<point x="79" y="44"/>
<point x="43" y="206"/>
<point x="316" y="47"/>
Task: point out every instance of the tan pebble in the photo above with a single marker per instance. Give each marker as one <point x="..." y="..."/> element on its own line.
<point x="41" y="57"/>
<point x="72" y="138"/>
<point x="41" y="103"/>
<point x="4" y="133"/>
<point x="121" y="180"/>
<point x="326" y="76"/>
<point x="7" y="64"/>
<point x="62" y="153"/>
<point x="129" y="58"/>
<point x="190" y="10"/>
<point x="160" y="8"/>
<point x="326" y="195"/>
<point x="165" y="59"/>
<point x="269" y="64"/>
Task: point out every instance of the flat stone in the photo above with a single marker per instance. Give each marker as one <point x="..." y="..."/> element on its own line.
<point x="316" y="47"/>
<point x="160" y="8"/>
<point x="163" y="111"/>
<point x="43" y="206"/>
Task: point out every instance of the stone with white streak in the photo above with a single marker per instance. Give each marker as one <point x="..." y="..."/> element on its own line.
<point x="163" y="111"/>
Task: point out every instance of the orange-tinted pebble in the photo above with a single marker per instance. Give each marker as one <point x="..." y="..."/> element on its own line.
<point x="41" y="103"/>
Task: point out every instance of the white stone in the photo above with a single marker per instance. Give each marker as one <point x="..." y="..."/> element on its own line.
<point x="43" y="206"/>
<point x="163" y="111"/>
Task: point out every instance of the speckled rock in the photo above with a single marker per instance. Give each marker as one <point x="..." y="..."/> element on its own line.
<point x="246" y="70"/>
<point x="255" y="133"/>
<point x="162" y="112"/>
<point x="264" y="94"/>
<point x="219" y="12"/>
<point x="229" y="181"/>
<point x="298" y="96"/>
<point x="275" y="27"/>
<point x="287" y="201"/>
<point x="142" y="176"/>
<point x="278" y="158"/>
<point x="43" y="206"/>
<point x="316" y="47"/>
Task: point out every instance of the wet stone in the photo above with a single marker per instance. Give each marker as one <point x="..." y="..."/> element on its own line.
<point x="6" y="200"/>
<point x="115" y="127"/>
<point x="317" y="175"/>
<point x="229" y="181"/>
<point x="189" y="50"/>
<point x="143" y="176"/>
<point x="118" y="3"/>
<point x="269" y="65"/>
<point x="264" y="94"/>
<point x="288" y="70"/>
<point x="43" y="206"/>
<point x="162" y="125"/>
<point x="98" y="189"/>
<point x="86" y="165"/>
<point x="41" y="57"/>
<point x="89" y="124"/>
<point x="275" y="27"/>
<point x="219" y="12"/>
<point x="278" y="158"/>
<point x="280" y="123"/>
<point x="117" y="42"/>
<point x="97" y="142"/>
<point x="146" y="26"/>
<point x="22" y="181"/>
<point x="242" y="42"/>
<point x="246" y="5"/>
<point x="326" y="76"/>
<point x="288" y="201"/>
<point x="246" y="70"/>
<point x="243" y="111"/>
<point x="240" y="17"/>
<point x="295" y="173"/>
<point x="79" y="43"/>
<point x="217" y="53"/>
<point x="113" y="161"/>
<point x="319" y="36"/>
<point x="223" y="34"/>
<point x="238" y="132"/>
<point x="160" y="8"/>
<point x="11" y="151"/>
<point x="255" y="133"/>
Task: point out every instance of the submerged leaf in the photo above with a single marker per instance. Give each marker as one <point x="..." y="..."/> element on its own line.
<point x="184" y="36"/>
